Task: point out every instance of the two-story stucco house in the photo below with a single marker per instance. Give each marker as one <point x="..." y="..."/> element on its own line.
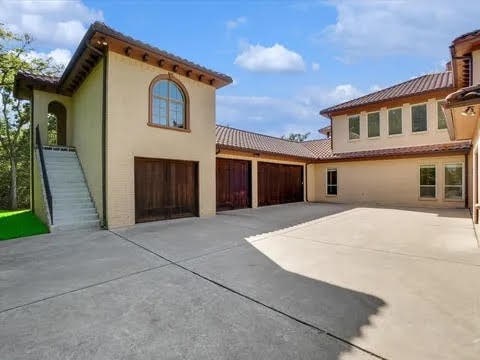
<point x="136" y="141"/>
<point x="136" y="135"/>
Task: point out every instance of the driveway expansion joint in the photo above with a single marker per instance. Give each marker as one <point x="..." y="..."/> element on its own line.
<point x="83" y="288"/>
<point x="247" y="297"/>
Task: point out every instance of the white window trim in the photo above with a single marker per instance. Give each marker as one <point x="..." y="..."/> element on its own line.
<point x="420" y="197"/>
<point x="411" y="119"/>
<point x="463" y="181"/>
<point x="359" y="127"/>
<point x="388" y="123"/>
<point x="326" y="182"/>
<point x="379" y="125"/>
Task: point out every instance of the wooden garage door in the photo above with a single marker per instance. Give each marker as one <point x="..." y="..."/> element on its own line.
<point x="279" y="183"/>
<point x="233" y="184"/>
<point x="165" y="189"/>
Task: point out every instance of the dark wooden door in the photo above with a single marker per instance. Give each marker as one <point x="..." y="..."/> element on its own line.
<point x="279" y="183"/>
<point x="233" y="184"/>
<point x="165" y="189"/>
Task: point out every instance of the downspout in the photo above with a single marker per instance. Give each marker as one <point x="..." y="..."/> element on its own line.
<point x="104" y="139"/>
<point x="104" y="54"/>
<point x="466" y="183"/>
<point x="32" y="152"/>
<point x="306" y="182"/>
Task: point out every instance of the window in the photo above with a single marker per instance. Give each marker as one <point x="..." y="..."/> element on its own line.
<point x="373" y="121"/>
<point x="419" y="118"/>
<point x="395" y="121"/>
<point x="168" y="104"/>
<point x="354" y="127"/>
<point x="331" y="181"/>
<point x="428" y="182"/>
<point x="442" y="122"/>
<point x="454" y="181"/>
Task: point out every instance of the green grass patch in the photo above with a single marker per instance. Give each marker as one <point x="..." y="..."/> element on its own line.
<point x="15" y="224"/>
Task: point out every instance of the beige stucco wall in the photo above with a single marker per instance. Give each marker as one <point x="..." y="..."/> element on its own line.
<point x="41" y="99"/>
<point x="129" y="136"/>
<point x="383" y="182"/>
<point x="341" y="142"/>
<point x="254" y="161"/>
<point x="86" y="131"/>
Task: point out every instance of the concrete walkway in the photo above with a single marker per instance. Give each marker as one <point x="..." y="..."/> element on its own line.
<point x="310" y="281"/>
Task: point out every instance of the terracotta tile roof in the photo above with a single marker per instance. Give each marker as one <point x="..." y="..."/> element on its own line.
<point x="454" y="146"/>
<point x="46" y="79"/>
<point x="245" y="140"/>
<point x="321" y="149"/>
<point x="419" y="85"/>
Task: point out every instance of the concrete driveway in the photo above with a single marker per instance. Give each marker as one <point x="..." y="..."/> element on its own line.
<point x="310" y="281"/>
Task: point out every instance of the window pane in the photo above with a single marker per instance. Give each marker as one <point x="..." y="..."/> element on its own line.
<point x="159" y="111"/>
<point x="332" y="177"/>
<point x="373" y="120"/>
<point x="331" y="190"/>
<point x="453" y="174"/>
<point x="394" y="121"/>
<point x="419" y="118"/>
<point x="453" y="192"/>
<point x="427" y="176"/>
<point x="161" y="88"/>
<point x="442" y="122"/>
<point x="354" y="127"/>
<point x="427" y="191"/>
<point x="176" y="114"/>
<point x="175" y="92"/>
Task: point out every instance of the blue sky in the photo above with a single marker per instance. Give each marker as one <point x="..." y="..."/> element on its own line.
<point x="288" y="59"/>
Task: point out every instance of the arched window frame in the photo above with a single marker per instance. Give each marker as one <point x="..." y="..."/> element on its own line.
<point x="169" y="77"/>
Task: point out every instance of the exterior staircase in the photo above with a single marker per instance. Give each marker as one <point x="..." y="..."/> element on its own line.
<point x="72" y="205"/>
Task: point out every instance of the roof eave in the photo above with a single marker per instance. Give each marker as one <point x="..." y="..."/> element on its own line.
<point x="329" y="113"/>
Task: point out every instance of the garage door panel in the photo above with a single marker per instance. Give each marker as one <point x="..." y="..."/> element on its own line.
<point x="279" y="183"/>
<point x="165" y="189"/>
<point x="233" y="184"/>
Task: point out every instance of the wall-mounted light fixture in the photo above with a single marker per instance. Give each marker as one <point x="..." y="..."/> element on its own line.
<point x="469" y="111"/>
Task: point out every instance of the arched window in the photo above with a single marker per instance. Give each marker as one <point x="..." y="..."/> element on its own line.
<point x="168" y="104"/>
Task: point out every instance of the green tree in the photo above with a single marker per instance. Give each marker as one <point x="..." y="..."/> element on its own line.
<point x="15" y="56"/>
<point x="296" y="137"/>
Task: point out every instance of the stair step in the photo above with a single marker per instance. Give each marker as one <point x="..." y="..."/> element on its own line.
<point x="74" y="212"/>
<point x="77" y="204"/>
<point x="74" y="208"/>
<point x="69" y="190"/>
<point x="70" y="218"/>
<point x="93" y="225"/>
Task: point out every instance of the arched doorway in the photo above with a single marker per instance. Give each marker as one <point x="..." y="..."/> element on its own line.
<point x="57" y="124"/>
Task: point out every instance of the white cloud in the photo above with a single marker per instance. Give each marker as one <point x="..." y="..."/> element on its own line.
<point x="279" y="116"/>
<point x="315" y="66"/>
<point x="276" y="58"/>
<point x="58" y="56"/>
<point x="379" y="28"/>
<point x="56" y="23"/>
<point x="233" y="24"/>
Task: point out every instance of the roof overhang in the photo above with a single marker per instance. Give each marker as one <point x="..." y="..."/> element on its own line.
<point x="390" y="103"/>
<point x="462" y="112"/>
<point x="461" y="50"/>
